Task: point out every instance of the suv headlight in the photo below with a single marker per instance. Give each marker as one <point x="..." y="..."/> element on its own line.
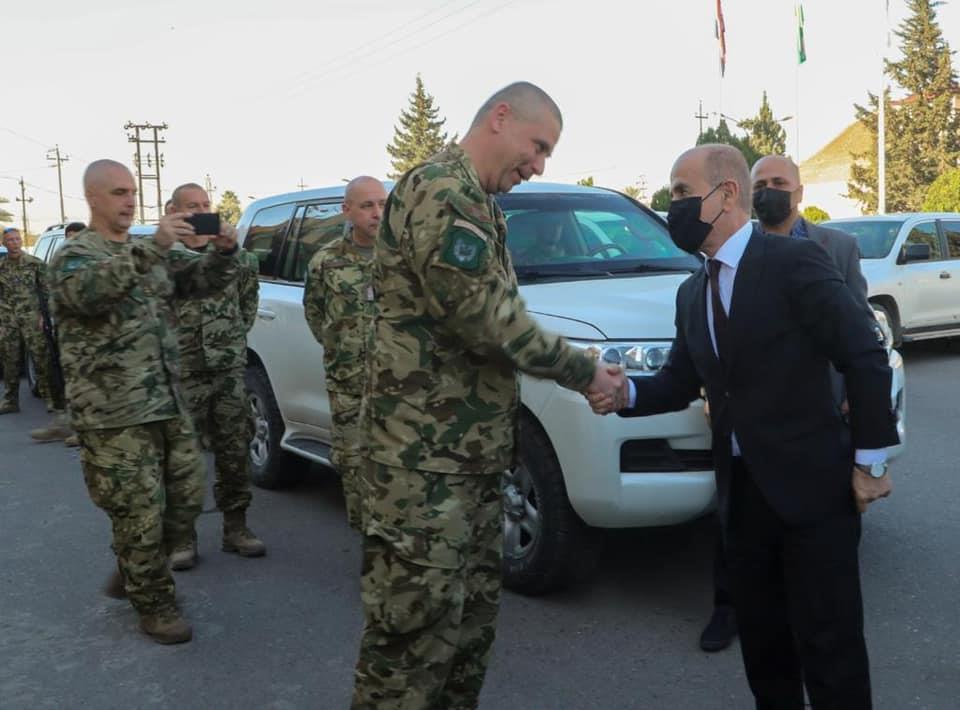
<point x="635" y="357"/>
<point x="884" y="332"/>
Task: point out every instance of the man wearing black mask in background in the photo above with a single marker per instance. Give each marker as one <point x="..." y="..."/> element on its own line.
<point x="777" y="194"/>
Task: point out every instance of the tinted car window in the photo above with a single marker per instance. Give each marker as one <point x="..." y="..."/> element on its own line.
<point x="587" y="235"/>
<point x="43" y="246"/>
<point x="318" y="225"/>
<point x="875" y="237"/>
<point x="265" y="235"/>
<point x="926" y="233"/>
<point x="951" y="230"/>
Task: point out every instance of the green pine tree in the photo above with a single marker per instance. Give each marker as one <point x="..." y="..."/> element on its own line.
<point x="661" y="199"/>
<point x="229" y="207"/>
<point x="764" y="132"/>
<point x="4" y="215"/>
<point x="923" y="130"/>
<point x="419" y="134"/>
<point x="723" y="134"/>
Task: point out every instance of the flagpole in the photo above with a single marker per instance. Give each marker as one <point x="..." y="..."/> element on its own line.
<point x="882" y="119"/>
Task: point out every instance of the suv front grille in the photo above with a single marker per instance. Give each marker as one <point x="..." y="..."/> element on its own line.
<point x="653" y="455"/>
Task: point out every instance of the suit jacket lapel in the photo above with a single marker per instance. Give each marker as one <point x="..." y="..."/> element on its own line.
<point x="749" y="273"/>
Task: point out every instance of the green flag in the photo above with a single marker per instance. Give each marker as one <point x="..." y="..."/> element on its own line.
<point x="801" y="46"/>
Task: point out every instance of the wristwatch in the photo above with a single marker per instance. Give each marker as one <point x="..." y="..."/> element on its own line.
<point x="875" y="470"/>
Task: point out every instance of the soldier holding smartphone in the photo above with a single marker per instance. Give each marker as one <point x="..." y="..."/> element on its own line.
<point x="212" y="334"/>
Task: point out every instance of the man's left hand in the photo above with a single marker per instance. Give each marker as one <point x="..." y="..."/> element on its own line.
<point x="227" y="239"/>
<point x="867" y="489"/>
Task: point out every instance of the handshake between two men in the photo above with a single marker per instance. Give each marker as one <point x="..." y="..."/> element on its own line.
<point x="609" y="390"/>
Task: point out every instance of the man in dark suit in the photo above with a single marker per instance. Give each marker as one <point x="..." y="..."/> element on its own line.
<point x="759" y="333"/>
<point x="777" y="194"/>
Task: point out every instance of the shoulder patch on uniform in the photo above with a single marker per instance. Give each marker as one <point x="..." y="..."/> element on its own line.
<point x="72" y="263"/>
<point x="466" y="244"/>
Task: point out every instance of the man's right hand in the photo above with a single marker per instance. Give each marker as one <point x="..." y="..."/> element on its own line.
<point x="608" y="392"/>
<point x="172" y="228"/>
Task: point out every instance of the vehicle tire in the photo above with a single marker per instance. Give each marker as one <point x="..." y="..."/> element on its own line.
<point x="892" y="322"/>
<point x="270" y="466"/>
<point x="33" y="382"/>
<point x="546" y="546"/>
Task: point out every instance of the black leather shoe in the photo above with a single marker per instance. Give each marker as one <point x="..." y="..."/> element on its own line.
<point x="721" y="630"/>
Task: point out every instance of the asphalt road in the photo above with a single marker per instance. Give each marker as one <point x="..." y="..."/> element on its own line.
<point x="282" y="632"/>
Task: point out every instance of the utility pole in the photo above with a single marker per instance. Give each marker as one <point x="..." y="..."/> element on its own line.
<point x="153" y="161"/>
<point x="301" y="185"/>
<point x="23" y="199"/>
<point x="55" y="155"/>
<point x="882" y="117"/>
<point x="701" y="116"/>
<point x="209" y="187"/>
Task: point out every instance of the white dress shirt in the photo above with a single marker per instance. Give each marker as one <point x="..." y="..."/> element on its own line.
<point x="729" y="256"/>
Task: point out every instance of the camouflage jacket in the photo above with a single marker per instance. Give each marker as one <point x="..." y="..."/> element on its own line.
<point x="212" y="331"/>
<point x="114" y="305"/>
<point x="23" y="283"/>
<point x="450" y="328"/>
<point x="338" y="305"/>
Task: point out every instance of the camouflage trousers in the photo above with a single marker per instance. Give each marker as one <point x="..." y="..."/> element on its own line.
<point x="28" y="328"/>
<point x="218" y="404"/>
<point x="149" y="479"/>
<point x="347" y="455"/>
<point x="430" y="588"/>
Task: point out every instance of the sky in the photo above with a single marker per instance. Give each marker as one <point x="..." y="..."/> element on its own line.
<point x="261" y="96"/>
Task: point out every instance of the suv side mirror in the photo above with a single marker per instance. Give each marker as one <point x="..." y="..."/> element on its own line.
<point x="914" y="252"/>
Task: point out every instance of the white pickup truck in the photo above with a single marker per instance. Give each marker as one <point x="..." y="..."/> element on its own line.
<point x="595" y="267"/>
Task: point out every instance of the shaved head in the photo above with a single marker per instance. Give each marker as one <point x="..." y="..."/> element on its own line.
<point x="363" y="204"/>
<point x="177" y="198"/>
<point x="779" y="164"/>
<point x="112" y="196"/>
<point x="721" y="163"/>
<point x="355" y="187"/>
<point x="526" y="100"/>
<point x="101" y="171"/>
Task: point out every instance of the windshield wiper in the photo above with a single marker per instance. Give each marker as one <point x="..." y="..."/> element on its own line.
<point x="535" y="274"/>
<point x="650" y="269"/>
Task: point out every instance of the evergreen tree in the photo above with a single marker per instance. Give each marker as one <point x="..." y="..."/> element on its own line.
<point x="229" y="207"/>
<point x="723" y="134"/>
<point x="4" y="215"/>
<point x="923" y="131"/>
<point x="661" y="199"/>
<point x="419" y="134"/>
<point x="944" y="193"/>
<point x="764" y="132"/>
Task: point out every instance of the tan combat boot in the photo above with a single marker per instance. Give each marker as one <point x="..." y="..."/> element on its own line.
<point x="166" y="627"/>
<point x="238" y="538"/>
<point x="57" y="430"/>
<point x="114" y="588"/>
<point x="9" y="407"/>
<point x="184" y="556"/>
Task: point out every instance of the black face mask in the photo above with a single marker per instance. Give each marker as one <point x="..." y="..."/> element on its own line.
<point x="772" y="205"/>
<point x="687" y="230"/>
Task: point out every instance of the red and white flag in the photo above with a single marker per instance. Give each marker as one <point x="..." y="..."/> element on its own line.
<point x="721" y="37"/>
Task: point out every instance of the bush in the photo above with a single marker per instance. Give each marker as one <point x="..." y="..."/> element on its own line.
<point x="814" y="214"/>
<point x="943" y="195"/>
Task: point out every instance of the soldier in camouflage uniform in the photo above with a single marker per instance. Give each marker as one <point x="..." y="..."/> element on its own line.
<point x="338" y="305"/>
<point x="212" y="333"/>
<point x="450" y="333"/>
<point x="113" y="302"/>
<point x="23" y="284"/>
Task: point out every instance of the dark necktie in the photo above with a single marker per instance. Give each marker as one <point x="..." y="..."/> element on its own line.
<point x="720" y="325"/>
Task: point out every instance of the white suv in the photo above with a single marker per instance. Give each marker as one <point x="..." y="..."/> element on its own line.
<point x="595" y="267"/>
<point x="912" y="266"/>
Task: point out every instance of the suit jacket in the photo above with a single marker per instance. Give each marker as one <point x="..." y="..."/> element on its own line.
<point x="791" y="315"/>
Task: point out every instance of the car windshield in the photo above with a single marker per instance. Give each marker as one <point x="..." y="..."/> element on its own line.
<point x="586" y="235"/>
<point x="874" y="236"/>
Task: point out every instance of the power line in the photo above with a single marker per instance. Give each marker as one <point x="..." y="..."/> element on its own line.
<point x="153" y="162"/>
<point x="346" y="60"/>
<point x="415" y="47"/>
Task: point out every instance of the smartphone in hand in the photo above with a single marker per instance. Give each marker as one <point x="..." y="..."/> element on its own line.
<point x="205" y="223"/>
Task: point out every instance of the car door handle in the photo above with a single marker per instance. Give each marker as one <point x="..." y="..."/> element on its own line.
<point x="265" y="314"/>
<point x="944" y="274"/>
